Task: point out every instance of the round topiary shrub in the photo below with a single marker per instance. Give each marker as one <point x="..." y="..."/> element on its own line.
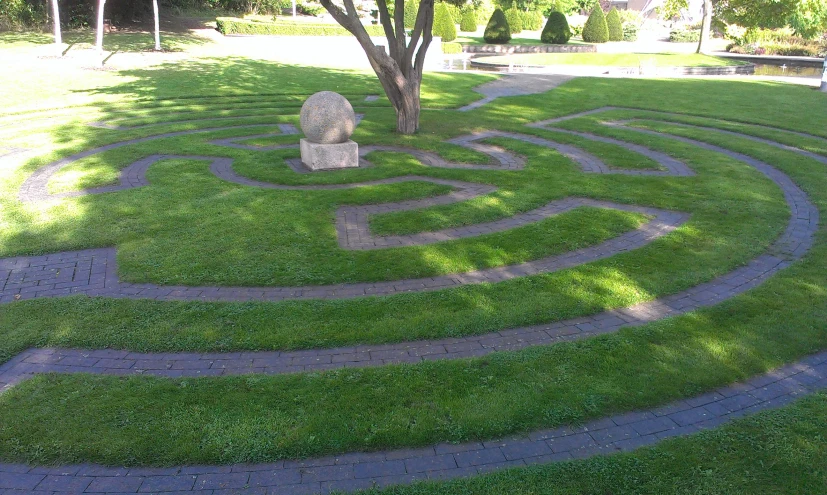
<point x="596" y="30"/>
<point x="557" y="29"/>
<point x="411" y="9"/>
<point x="497" y="29"/>
<point x="468" y="23"/>
<point x="515" y="19"/>
<point x="532" y="21"/>
<point x="615" y="25"/>
<point x="444" y="26"/>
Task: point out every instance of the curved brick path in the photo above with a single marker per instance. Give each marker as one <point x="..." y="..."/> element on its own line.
<point x="353" y="471"/>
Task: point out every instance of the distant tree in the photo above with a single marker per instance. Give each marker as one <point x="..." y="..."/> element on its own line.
<point x="56" y="20"/>
<point x="157" y="26"/>
<point x="810" y="18"/>
<point x="615" y="25"/>
<point x="497" y="29"/>
<point x="444" y="26"/>
<point x="515" y="19"/>
<point x="468" y="23"/>
<point x="596" y="30"/>
<point x="557" y="29"/>
<point x="99" y="40"/>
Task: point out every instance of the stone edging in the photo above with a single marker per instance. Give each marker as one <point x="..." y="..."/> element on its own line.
<point x="354" y="471"/>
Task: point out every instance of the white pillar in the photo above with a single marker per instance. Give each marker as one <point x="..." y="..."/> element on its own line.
<point x="824" y="77"/>
<point x="99" y="41"/>
<point x="157" y="26"/>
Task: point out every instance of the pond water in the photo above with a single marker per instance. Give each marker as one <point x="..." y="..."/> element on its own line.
<point x="462" y="62"/>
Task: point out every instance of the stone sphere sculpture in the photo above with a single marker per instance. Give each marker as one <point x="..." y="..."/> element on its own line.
<point x="327" y="118"/>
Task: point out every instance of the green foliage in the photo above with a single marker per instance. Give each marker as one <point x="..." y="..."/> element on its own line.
<point x="497" y="29"/>
<point x="451" y="48"/>
<point x="456" y="12"/>
<point x="630" y="32"/>
<point x="484" y="10"/>
<point x="810" y="19"/>
<point x="444" y="26"/>
<point x="614" y="25"/>
<point x="468" y="23"/>
<point x="596" y="30"/>
<point x="556" y="30"/>
<point x="756" y="13"/>
<point x="233" y="25"/>
<point x="313" y="9"/>
<point x="19" y="14"/>
<point x="532" y="20"/>
<point x="515" y="20"/>
<point x="411" y="9"/>
<point x="684" y="35"/>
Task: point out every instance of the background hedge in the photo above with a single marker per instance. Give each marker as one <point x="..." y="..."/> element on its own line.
<point x="532" y="20"/>
<point x="596" y="30"/>
<point x="497" y="29"/>
<point x="444" y="26"/>
<point x="515" y="20"/>
<point x="556" y="30"/>
<point x="233" y="25"/>
<point x="615" y="25"/>
<point x="468" y="24"/>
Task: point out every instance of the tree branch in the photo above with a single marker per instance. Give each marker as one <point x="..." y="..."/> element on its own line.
<point x="424" y="23"/>
<point x="399" y="24"/>
<point x="387" y="25"/>
<point x="426" y="41"/>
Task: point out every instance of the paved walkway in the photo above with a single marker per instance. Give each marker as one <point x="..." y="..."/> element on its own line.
<point x="353" y="471"/>
<point x="516" y="85"/>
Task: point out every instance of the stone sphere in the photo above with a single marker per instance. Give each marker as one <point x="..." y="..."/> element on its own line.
<point x="327" y="118"/>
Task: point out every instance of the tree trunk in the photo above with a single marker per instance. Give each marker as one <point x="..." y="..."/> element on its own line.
<point x="706" y="27"/>
<point x="157" y="26"/>
<point x="99" y="42"/>
<point x="56" y="19"/>
<point x="400" y="68"/>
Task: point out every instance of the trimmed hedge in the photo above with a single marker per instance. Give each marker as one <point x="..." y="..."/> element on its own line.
<point x="233" y="25"/>
<point x="630" y="31"/>
<point x="411" y="9"/>
<point x="557" y="29"/>
<point x="596" y="30"/>
<point x="451" y="48"/>
<point x="444" y="26"/>
<point x="614" y="25"/>
<point x="468" y="23"/>
<point x="684" y="35"/>
<point x="532" y="21"/>
<point x="515" y="20"/>
<point x="497" y="29"/>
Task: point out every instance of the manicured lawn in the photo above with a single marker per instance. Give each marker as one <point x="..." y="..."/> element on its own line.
<point x="118" y="41"/>
<point x="611" y="59"/>
<point x="775" y="452"/>
<point x="189" y="227"/>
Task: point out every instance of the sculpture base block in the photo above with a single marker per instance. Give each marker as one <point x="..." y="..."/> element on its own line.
<point x="317" y="156"/>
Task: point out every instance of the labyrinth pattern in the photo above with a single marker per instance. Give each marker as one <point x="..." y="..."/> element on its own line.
<point x="94" y="272"/>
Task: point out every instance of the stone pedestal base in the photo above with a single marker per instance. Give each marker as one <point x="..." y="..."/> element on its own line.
<point x="317" y="156"/>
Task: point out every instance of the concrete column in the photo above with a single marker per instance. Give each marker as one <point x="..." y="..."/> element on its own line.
<point x="824" y="77"/>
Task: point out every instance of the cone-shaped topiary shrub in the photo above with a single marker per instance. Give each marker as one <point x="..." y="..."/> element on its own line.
<point x="468" y="23"/>
<point x="497" y="30"/>
<point x="557" y="29"/>
<point x="615" y="25"/>
<point x="515" y="19"/>
<point x="444" y="26"/>
<point x="596" y="30"/>
<point x="411" y="9"/>
<point x="532" y="21"/>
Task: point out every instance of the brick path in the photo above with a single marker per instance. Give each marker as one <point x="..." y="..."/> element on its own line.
<point x="515" y="85"/>
<point x="353" y="471"/>
<point x="362" y="470"/>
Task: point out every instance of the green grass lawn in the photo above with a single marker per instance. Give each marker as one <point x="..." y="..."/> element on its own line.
<point x="611" y="59"/>
<point x="117" y="41"/>
<point x="775" y="452"/>
<point x="188" y="227"/>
